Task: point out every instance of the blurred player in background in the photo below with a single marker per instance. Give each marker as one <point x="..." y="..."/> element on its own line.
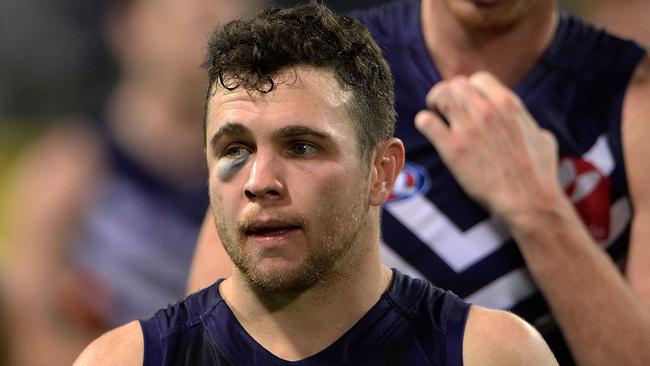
<point x="106" y="220"/>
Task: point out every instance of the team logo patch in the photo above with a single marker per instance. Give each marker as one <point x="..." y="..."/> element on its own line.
<point x="413" y="180"/>
<point x="589" y="190"/>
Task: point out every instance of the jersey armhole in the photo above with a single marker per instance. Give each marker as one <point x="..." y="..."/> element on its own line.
<point x="456" y="321"/>
<point x="153" y="349"/>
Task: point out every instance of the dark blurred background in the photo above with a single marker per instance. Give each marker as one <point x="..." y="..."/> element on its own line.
<point x="53" y="61"/>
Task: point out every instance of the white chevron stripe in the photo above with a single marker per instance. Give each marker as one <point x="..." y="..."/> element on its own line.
<point x="458" y="249"/>
<point x="513" y="287"/>
<point x="462" y="249"/>
<point x="601" y="156"/>
<point x="506" y="291"/>
<point x="620" y="215"/>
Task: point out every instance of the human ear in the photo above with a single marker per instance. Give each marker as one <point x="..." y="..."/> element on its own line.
<point x="386" y="166"/>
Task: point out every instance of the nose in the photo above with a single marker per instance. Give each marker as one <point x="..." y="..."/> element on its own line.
<point x="264" y="180"/>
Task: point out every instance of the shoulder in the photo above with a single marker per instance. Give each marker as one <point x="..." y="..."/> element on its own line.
<point x="188" y="312"/>
<point x="495" y="337"/>
<point x="120" y="346"/>
<point x="418" y="297"/>
<point x="640" y="81"/>
<point x="636" y="113"/>
<point x="591" y="54"/>
<point x="175" y="330"/>
<point x="635" y="136"/>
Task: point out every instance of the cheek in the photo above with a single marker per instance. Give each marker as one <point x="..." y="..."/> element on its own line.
<point x="220" y="195"/>
<point x="340" y="188"/>
<point x="227" y="168"/>
<point x="222" y="207"/>
<point x="223" y="171"/>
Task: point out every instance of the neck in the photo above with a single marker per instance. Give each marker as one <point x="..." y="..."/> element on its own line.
<point x="508" y="53"/>
<point x="297" y="326"/>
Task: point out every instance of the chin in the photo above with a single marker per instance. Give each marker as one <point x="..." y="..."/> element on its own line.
<point x="279" y="275"/>
<point x="282" y="279"/>
<point x="489" y="16"/>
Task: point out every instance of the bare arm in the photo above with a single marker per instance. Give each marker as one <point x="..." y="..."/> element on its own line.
<point x="636" y="149"/>
<point x="494" y="337"/>
<point x="120" y="346"/>
<point x="605" y="319"/>
<point x="210" y="261"/>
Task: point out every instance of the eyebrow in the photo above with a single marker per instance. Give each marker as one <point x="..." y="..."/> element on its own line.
<point x="299" y="130"/>
<point x="229" y="129"/>
<point x="237" y="129"/>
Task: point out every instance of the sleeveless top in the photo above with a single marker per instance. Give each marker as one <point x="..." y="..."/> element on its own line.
<point x="432" y="229"/>
<point x="413" y="323"/>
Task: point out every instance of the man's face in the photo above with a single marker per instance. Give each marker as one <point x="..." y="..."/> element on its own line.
<point x="288" y="189"/>
<point x="492" y="15"/>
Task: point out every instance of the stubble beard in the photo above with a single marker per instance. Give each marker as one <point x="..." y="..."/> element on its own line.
<point x="341" y="228"/>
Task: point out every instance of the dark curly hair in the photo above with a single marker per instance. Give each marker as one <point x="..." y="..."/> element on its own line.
<point x="250" y="53"/>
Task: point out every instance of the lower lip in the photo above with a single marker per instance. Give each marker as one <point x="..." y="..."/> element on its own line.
<point x="275" y="238"/>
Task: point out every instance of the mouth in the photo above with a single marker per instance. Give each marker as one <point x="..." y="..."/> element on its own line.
<point x="270" y="230"/>
<point x="485" y="2"/>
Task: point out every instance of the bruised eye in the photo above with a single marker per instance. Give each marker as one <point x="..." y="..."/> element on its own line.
<point x="303" y="149"/>
<point x="235" y="151"/>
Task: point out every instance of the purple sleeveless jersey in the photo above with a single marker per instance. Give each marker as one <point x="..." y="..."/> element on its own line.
<point x="431" y="229"/>
<point x="413" y="323"/>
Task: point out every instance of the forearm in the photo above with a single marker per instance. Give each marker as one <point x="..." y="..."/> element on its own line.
<point x="603" y="320"/>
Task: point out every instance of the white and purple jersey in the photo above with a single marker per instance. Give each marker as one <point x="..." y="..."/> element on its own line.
<point x="432" y="229"/>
